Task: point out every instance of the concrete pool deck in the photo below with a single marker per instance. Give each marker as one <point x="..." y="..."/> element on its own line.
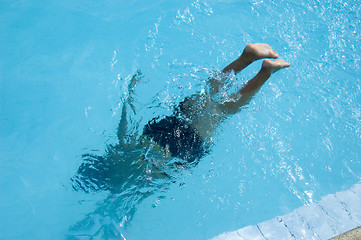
<point x="334" y="215"/>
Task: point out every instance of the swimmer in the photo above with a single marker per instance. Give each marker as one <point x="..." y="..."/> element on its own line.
<point x="144" y="163"/>
<point x="195" y="119"/>
<point x="183" y="136"/>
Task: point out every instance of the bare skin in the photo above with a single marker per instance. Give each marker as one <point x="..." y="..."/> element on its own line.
<point x="206" y="116"/>
<point x="128" y="167"/>
<point x="136" y="160"/>
<point x="251" y="53"/>
<point x="246" y="93"/>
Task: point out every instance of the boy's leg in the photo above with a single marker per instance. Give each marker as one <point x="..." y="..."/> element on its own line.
<point x="251" y="53"/>
<point x="268" y="68"/>
<point x="245" y="94"/>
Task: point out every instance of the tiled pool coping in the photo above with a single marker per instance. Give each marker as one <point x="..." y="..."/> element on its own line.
<point x="354" y="234"/>
<point x="333" y="215"/>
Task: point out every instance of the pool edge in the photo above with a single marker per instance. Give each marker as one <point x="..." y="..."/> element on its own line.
<point x="334" y="215"/>
<point x="353" y="234"/>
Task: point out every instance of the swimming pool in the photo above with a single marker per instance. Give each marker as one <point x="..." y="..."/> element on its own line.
<point x="64" y="67"/>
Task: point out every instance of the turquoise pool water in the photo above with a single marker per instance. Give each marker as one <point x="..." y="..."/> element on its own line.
<point x="64" y="68"/>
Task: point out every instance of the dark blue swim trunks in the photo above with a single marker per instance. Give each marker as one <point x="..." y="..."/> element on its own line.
<point x="177" y="135"/>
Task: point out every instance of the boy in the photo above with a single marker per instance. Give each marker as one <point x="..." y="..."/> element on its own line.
<point x="174" y="141"/>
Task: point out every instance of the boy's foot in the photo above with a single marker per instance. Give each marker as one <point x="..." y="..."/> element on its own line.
<point x="257" y="51"/>
<point x="274" y="66"/>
